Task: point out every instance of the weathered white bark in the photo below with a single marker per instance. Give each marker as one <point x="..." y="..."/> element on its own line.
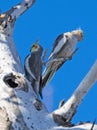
<point x="70" y="107"/>
<point x="19" y="107"/>
<point x="20" y="8"/>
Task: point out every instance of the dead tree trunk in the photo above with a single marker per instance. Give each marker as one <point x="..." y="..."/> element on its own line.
<point x="20" y="109"/>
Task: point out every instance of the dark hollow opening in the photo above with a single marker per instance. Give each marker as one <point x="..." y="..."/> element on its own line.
<point x="11" y="83"/>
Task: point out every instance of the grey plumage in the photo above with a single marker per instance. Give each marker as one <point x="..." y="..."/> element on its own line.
<point x="63" y="48"/>
<point x="33" y="67"/>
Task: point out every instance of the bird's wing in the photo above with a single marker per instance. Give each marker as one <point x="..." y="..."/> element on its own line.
<point x="58" y="44"/>
<point x="48" y="73"/>
<point x="40" y="88"/>
<point x="36" y="65"/>
<point x="27" y="66"/>
<point x="47" y="77"/>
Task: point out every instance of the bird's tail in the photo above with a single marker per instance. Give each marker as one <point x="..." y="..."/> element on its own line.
<point x="48" y="75"/>
<point x="40" y="89"/>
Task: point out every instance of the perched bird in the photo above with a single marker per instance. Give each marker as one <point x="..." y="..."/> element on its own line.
<point x="63" y="49"/>
<point x="33" y="67"/>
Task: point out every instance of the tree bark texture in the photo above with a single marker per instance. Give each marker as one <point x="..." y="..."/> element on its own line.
<point x="20" y="109"/>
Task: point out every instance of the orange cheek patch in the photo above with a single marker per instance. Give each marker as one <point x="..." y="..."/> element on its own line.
<point x="36" y="47"/>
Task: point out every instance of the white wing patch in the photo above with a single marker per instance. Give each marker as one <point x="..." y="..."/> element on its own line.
<point x="59" y="46"/>
<point x="27" y="67"/>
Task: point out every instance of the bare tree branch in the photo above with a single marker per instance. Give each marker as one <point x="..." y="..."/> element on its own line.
<point x="70" y="107"/>
<point x="19" y="107"/>
<point x="20" y="8"/>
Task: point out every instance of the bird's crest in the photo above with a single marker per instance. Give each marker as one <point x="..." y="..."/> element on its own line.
<point x="79" y="33"/>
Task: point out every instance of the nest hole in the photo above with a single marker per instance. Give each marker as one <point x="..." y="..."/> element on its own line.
<point x="10" y="81"/>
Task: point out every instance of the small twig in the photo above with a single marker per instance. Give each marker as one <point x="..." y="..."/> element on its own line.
<point x="44" y="56"/>
<point x="93" y="124"/>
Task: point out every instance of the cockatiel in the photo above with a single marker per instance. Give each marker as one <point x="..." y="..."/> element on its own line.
<point x="63" y="49"/>
<point x="33" y="67"/>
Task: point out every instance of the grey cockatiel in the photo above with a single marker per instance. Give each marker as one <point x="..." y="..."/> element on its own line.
<point x="63" y="49"/>
<point x="33" y="67"/>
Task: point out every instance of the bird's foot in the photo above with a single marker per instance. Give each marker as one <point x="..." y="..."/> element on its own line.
<point x="57" y="60"/>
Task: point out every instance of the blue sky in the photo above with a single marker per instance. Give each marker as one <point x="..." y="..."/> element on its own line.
<point x="45" y="21"/>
